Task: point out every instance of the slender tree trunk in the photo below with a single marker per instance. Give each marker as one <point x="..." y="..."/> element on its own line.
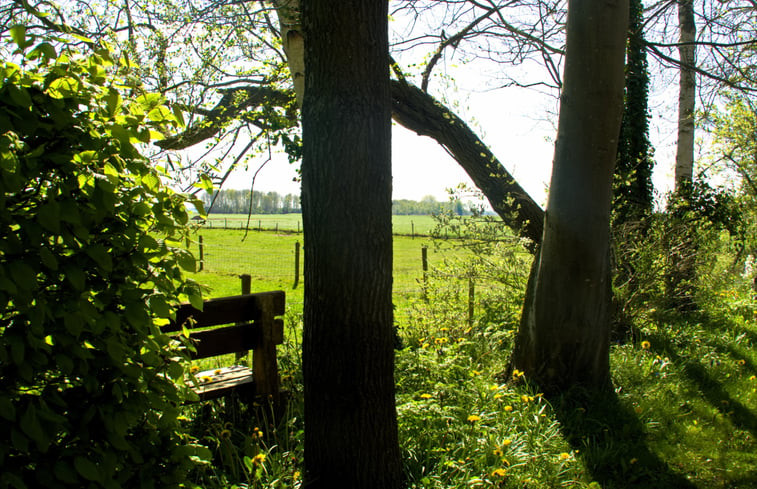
<point x="564" y="333"/>
<point x="684" y="172"/>
<point x="348" y="358"/>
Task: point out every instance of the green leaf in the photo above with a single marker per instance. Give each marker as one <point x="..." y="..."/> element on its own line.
<point x="32" y="428"/>
<point x="47" y="258"/>
<point x="186" y="260"/>
<point x="159" y="306"/>
<point x="19" y="95"/>
<point x="86" y="468"/>
<point x="65" y="87"/>
<point x="75" y="276"/>
<point x="44" y="50"/>
<point x="23" y="275"/>
<point x="101" y="256"/>
<point x="7" y="409"/>
<point x="18" y="34"/>
<point x="64" y="472"/>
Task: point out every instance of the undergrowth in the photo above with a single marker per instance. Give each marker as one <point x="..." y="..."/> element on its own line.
<point x="683" y="413"/>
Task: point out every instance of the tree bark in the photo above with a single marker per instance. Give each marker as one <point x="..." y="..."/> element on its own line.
<point x="684" y="171"/>
<point x="564" y="333"/>
<point x="348" y="358"/>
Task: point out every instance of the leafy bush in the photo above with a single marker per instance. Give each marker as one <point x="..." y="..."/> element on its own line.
<point x="90" y="264"/>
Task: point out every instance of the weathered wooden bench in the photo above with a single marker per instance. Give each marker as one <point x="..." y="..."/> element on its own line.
<point x="235" y="325"/>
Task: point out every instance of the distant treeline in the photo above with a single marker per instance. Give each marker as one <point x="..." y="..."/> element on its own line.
<point x="231" y="201"/>
<point x="426" y="206"/>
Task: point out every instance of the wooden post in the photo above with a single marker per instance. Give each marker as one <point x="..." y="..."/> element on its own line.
<point x="296" y="264"/>
<point x="202" y="255"/>
<point x="412" y="230"/>
<point x="471" y="298"/>
<point x="246" y="283"/>
<point x="424" y="261"/>
<point x="246" y="289"/>
<point x="265" y="367"/>
<point x="224" y="223"/>
<point x="260" y="225"/>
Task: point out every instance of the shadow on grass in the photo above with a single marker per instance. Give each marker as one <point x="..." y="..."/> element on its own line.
<point x="711" y="390"/>
<point x="611" y="443"/>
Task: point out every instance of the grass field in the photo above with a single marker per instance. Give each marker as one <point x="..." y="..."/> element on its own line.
<point x="401" y="225"/>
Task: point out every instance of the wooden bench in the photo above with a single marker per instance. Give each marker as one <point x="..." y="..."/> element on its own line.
<point x="236" y="324"/>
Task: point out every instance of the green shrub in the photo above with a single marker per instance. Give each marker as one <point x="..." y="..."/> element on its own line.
<point x="90" y="265"/>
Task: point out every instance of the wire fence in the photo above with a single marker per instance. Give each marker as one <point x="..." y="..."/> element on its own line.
<point x="276" y="262"/>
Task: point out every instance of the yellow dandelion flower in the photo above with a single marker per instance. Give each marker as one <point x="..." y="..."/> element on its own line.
<point x="753" y="377"/>
<point x="508" y="409"/>
<point x="194" y="369"/>
<point x="646" y="345"/>
<point x="217" y="371"/>
<point x="499" y="473"/>
<point x="441" y="341"/>
<point x="256" y="433"/>
<point x="206" y="378"/>
<point x="498" y="396"/>
<point x="498" y="452"/>
<point x="475" y="372"/>
<point x="525" y="398"/>
<point x="564" y="456"/>
<point x="517" y="374"/>
<point x="258" y="459"/>
<point x="444" y="330"/>
<point x="426" y="396"/>
<point x="507" y="442"/>
<point x="473" y="418"/>
<point x="493" y="387"/>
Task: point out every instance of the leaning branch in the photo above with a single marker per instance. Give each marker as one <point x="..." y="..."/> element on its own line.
<point x="419" y="112"/>
<point x="228" y="109"/>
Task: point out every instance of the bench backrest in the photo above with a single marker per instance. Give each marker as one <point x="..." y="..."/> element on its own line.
<point x="248" y="322"/>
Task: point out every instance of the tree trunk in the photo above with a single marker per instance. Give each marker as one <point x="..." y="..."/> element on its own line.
<point x="564" y="333"/>
<point x="348" y="358"/>
<point x="684" y="172"/>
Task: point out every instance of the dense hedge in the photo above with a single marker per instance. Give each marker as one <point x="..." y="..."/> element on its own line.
<point x="90" y="264"/>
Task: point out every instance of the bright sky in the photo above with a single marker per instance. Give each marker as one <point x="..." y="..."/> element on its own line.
<point x="506" y="121"/>
<point x="509" y="123"/>
<point x="519" y="125"/>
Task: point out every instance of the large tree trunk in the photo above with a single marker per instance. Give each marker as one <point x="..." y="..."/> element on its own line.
<point x="684" y="172"/>
<point x="348" y="358"/>
<point x="564" y="333"/>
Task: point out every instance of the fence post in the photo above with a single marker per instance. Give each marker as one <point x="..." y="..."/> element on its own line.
<point x="202" y="254"/>
<point x="260" y="226"/>
<point x="246" y="283"/>
<point x="471" y="299"/>
<point x="224" y="223"/>
<point x="424" y="261"/>
<point x="296" y="264"/>
<point x="277" y="226"/>
<point x="412" y="230"/>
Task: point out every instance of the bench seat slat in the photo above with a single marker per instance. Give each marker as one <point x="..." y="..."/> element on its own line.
<point x="215" y="383"/>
